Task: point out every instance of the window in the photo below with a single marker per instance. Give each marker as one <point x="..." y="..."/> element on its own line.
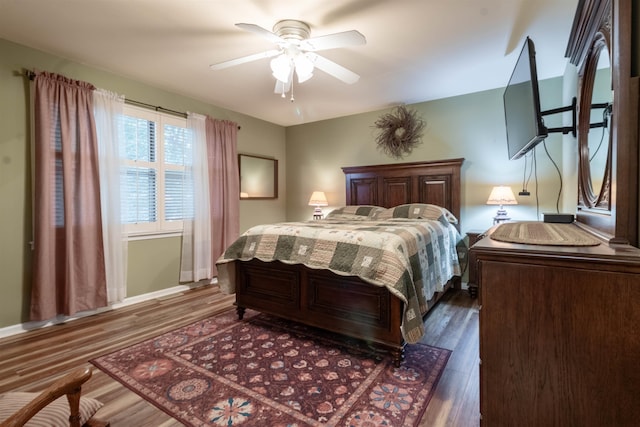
<point x="156" y="195"/>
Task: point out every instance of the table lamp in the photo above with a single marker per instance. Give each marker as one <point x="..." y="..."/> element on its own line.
<point x="501" y="195"/>
<point x="318" y="199"/>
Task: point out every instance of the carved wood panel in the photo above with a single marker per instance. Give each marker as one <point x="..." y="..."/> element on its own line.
<point x="363" y="191"/>
<point x="436" y="189"/>
<point x="396" y="191"/>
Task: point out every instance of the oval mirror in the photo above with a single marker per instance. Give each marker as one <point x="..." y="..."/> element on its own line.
<point x="600" y="111"/>
<point x="596" y="97"/>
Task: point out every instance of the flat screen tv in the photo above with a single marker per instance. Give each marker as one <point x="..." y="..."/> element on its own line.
<point x="523" y="118"/>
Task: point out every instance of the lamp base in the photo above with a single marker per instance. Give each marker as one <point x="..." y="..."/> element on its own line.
<point x="317" y="213"/>
<point x="501" y="216"/>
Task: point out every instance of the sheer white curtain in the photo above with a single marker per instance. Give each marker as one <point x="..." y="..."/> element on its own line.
<point x="196" y="263"/>
<point x="108" y="111"/>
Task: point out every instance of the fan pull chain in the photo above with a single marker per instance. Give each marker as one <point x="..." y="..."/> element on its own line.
<point x="292" y="79"/>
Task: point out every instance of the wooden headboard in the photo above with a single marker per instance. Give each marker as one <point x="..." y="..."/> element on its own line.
<point x="435" y="182"/>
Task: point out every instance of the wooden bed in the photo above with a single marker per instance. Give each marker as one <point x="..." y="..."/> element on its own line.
<point x="348" y="305"/>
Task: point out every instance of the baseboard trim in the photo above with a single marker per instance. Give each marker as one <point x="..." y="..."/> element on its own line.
<point x="30" y="326"/>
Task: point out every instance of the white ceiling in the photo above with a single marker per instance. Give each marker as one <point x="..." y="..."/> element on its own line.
<point x="417" y="50"/>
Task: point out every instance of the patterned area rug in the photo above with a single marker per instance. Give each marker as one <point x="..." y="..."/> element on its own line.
<point x="264" y="371"/>
<point x="543" y="233"/>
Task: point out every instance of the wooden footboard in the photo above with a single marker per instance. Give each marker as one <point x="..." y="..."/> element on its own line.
<point x="343" y="304"/>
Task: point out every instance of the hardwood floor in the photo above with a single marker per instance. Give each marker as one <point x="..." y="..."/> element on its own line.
<point x="32" y="360"/>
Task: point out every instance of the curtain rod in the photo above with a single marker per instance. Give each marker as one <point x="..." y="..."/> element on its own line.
<point x="154" y="107"/>
<point x="31" y="75"/>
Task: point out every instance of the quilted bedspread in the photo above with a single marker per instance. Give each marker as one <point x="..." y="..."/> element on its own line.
<point x="413" y="258"/>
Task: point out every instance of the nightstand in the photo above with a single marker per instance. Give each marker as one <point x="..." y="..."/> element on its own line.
<point x="472" y="284"/>
<point x="474" y="236"/>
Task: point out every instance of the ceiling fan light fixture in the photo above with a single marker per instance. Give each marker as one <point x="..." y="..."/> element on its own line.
<point x="292" y="29"/>
<point x="304" y="68"/>
<point x="281" y="67"/>
<point x="295" y="53"/>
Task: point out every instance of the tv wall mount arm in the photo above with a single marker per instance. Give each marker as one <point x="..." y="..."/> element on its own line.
<point x="573" y="108"/>
<point x="565" y="129"/>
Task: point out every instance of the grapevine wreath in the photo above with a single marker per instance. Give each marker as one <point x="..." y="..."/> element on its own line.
<point x="400" y="131"/>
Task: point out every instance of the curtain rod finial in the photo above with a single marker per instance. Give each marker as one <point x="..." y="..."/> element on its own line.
<point x="30" y="74"/>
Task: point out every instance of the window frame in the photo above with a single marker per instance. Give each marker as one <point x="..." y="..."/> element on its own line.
<point x="161" y="227"/>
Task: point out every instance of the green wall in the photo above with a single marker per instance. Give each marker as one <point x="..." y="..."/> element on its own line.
<point x="154" y="263"/>
<point x="310" y="158"/>
<point x="469" y="126"/>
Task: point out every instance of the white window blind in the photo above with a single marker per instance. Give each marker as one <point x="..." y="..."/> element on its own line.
<point x="157" y="148"/>
<point x="177" y="154"/>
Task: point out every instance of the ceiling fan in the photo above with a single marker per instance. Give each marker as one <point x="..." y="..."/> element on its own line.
<point x="295" y="52"/>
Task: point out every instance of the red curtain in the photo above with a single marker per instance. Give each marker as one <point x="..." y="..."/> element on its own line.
<point x="224" y="185"/>
<point x="68" y="263"/>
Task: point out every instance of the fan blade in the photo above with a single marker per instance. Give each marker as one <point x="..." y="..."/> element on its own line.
<point x="272" y="37"/>
<point x="332" y="41"/>
<point x="244" y="59"/>
<point x="333" y="69"/>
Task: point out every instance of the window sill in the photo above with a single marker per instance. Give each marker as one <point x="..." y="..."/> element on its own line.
<point x="154" y="235"/>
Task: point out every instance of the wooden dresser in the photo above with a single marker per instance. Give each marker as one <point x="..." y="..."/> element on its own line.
<point x="559" y="334"/>
<point x="560" y="326"/>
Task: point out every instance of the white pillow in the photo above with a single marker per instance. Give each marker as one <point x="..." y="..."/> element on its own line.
<point x="417" y="211"/>
<point x="366" y="211"/>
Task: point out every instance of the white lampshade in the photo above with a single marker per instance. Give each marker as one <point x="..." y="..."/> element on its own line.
<point x="502" y="195"/>
<point x="318" y="199"/>
<point x="304" y="68"/>
<point x="281" y="67"/>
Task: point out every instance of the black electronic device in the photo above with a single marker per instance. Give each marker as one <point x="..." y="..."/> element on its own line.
<point x="561" y="218"/>
<point x="523" y="117"/>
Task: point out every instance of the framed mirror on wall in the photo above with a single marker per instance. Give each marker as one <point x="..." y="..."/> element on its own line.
<point x="596" y="104"/>
<point x="600" y="45"/>
<point x="258" y="177"/>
